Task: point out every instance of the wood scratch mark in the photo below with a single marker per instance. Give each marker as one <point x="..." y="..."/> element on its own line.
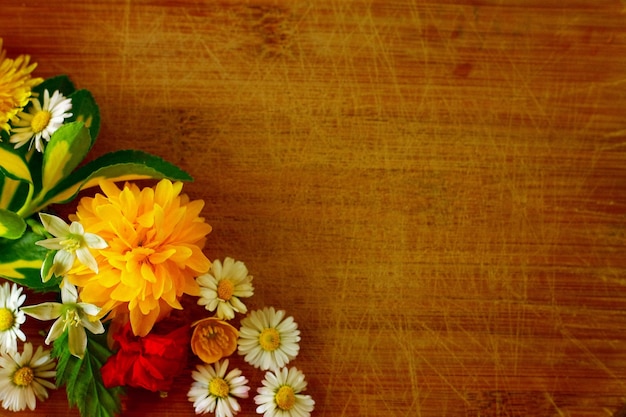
<point x="599" y="363"/>
<point x="213" y="57"/>
<point x="125" y="43"/>
<point x="556" y="407"/>
<point x="621" y="412"/>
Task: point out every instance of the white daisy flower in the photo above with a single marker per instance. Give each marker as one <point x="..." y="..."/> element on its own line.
<point x="24" y="377"/>
<point x="216" y="391"/>
<point x="223" y="286"/>
<point x="11" y="317"/>
<point x="280" y="395"/>
<point x="268" y="341"/>
<point x="71" y="314"/>
<point x="41" y="122"/>
<point x="70" y="242"/>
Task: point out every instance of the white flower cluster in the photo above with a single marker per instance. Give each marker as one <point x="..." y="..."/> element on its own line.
<point x="22" y="375"/>
<point x="267" y="340"/>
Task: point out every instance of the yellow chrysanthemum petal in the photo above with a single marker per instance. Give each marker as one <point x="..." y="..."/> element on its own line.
<point x="16" y="84"/>
<point x="155" y="238"/>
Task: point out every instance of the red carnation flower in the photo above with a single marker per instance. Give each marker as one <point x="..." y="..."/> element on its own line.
<point x="149" y="362"/>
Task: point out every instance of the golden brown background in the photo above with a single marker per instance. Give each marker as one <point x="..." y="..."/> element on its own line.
<point x="435" y="190"/>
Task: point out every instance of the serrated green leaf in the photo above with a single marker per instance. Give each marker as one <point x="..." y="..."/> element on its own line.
<point x="126" y="165"/>
<point x="82" y="378"/>
<point x="85" y="109"/>
<point x="62" y="83"/>
<point x="67" y="148"/>
<point x="12" y="226"/>
<point x="21" y="259"/>
<point x="63" y="361"/>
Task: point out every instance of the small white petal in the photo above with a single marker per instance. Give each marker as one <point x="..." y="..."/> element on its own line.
<point x="77" y="341"/>
<point x="69" y="292"/>
<point x="57" y="329"/>
<point x="53" y="243"/>
<point x="63" y="261"/>
<point x="94" y="241"/>
<point x="94" y="327"/>
<point x="54" y="225"/>
<point x="44" y="311"/>
<point x="86" y="258"/>
<point x="77" y="229"/>
<point x="89" y="309"/>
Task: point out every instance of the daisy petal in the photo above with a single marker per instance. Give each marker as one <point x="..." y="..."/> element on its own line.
<point x="214" y="390"/>
<point x="23" y="378"/>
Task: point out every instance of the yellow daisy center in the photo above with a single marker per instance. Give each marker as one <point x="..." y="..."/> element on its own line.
<point x="40" y="121"/>
<point x="285" y="398"/>
<point x="219" y="388"/>
<point x="225" y="289"/>
<point x="23" y="376"/>
<point x="269" y="339"/>
<point x="7" y="319"/>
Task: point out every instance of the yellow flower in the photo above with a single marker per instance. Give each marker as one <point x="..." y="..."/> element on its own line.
<point x="155" y="238"/>
<point x="15" y="86"/>
<point x="213" y="339"/>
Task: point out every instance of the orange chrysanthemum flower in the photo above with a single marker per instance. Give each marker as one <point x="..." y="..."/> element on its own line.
<point x="213" y="339"/>
<point x="155" y="238"/>
<point x="15" y="86"/>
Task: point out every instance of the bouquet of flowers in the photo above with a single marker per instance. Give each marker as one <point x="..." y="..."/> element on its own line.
<point x="118" y="271"/>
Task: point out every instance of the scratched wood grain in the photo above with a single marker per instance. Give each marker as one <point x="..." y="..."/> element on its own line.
<point x="435" y="190"/>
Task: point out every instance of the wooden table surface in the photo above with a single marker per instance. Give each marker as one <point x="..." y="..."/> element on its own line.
<point x="435" y="190"/>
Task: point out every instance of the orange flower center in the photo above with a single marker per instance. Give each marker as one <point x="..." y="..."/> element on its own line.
<point x="269" y="339"/>
<point x="40" y="121"/>
<point x="285" y="398"/>
<point x="219" y="388"/>
<point x="7" y="319"/>
<point x="216" y="339"/>
<point x="213" y="339"/>
<point x="23" y="376"/>
<point x="225" y="289"/>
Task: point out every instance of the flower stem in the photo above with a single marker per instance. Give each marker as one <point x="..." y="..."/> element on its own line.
<point x="26" y="209"/>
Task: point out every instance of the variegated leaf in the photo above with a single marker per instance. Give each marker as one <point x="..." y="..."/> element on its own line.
<point x="67" y="148"/>
<point x="21" y="259"/>
<point x="124" y="165"/>
<point x="12" y="226"/>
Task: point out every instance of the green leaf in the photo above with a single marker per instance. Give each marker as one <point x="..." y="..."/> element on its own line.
<point x="67" y="148"/>
<point x="48" y="262"/>
<point x="126" y="165"/>
<point x="14" y="166"/>
<point x="12" y="226"/>
<point x="82" y="378"/>
<point x="62" y="83"/>
<point x="21" y="259"/>
<point x="12" y="192"/>
<point x="85" y="109"/>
